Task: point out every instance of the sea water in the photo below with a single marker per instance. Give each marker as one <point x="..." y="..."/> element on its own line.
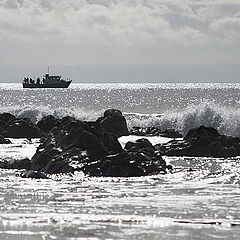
<point x="199" y="204"/>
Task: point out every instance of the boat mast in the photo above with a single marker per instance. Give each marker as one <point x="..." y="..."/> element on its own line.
<point x="48" y="70"/>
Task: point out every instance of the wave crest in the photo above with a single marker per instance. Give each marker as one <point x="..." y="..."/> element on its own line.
<point x="225" y="119"/>
<point x="35" y="113"/>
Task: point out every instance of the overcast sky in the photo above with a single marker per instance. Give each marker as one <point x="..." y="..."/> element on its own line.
<point x="145" y="32"/>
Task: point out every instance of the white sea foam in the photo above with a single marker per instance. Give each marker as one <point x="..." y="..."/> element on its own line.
<point x="19" y="149"/>
<point x="209" y="114"/>
<point x="153" y="139"/>
<point x="35" y="113"/>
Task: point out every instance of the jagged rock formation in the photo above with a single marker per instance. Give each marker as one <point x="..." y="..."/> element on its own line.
<point x="202" y="142"/>
<point x="92" y="147"/>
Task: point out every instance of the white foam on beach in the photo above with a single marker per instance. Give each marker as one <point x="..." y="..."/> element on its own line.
<point x="20" y="148"/>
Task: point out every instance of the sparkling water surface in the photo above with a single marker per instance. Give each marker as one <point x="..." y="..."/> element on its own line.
<point x="136" y="98"/>
<point x="198" y="200"/>
<point x="179" y="106"/>
<point x="198" y="204"/>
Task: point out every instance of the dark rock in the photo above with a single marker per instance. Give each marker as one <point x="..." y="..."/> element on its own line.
<point x="21" y="128"/>
<point x="202" y="142"/>
<point x="171" y="133"/>
<point x="43" y="155"/>
<point x="2" y="125"/>
<point x="16" y="164"/>
<point x="90" y="142"/>
<point x="68" y="161"/>
<point x="111" y="143"/>
<point x="208" y="133"/>
<point x="228" y="152"/>
<point x="126" y="164"/>
<point x="216" y="148"/>
<point x="114" y="122"/>
<point x="4" y="141"/>
<point x="90" y="147"/>
<point x="47" y="123"/>
<point x="6" y="117"/>
<point x="139" y="144"/>
<point x="111" y="113"/>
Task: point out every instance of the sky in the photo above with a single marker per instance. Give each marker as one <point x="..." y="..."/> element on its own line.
<point x="122" y="40"/>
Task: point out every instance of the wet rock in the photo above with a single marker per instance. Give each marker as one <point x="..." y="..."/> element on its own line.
<point x="139" y="144"/>
<point x="91" y="147"/>
<point x="202" y="133"/>
<point x="6" y="117"/>
<point x="47" y="123"/>
<point x="16" y="164"/>
<point x="202" y="142"/>
<point x="126" y="164"/>
<point x="111" y="143"/>
<point x="45" y="152"/>
<point x="21" y="128"/>
<point x="4" y="141"/>
<point x="2" y="125"/>
<point x="114" y="122"/>
<point x="228" y="152"/>
<point x="68" y="161"/>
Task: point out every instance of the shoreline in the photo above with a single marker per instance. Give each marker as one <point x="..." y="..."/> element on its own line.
<point x="96" y="147"/>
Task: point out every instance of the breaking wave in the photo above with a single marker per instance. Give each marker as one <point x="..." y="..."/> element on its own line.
<point x="35" y="113"/>
<point x="225" y="119"/>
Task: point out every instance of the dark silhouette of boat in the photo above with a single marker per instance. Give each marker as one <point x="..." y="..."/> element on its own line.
<point x="48" y="81"/>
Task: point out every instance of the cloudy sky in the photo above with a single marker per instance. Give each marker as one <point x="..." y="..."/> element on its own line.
<point x="121" y="32"/>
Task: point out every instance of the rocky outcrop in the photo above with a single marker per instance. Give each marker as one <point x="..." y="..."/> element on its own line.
<point x="47" y="123"/>
<point x="114" y="122"/>
<point x="21" y="128"/>
<point x="202" y="142"/>
<point x="4" y="141"/>
<point x="91" y="147"/>
<point x="13" y="127"/>
<point x="16" y="164"/>
<point x="4" y="119"/>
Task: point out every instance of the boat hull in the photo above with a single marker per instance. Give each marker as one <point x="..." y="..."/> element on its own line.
<point x="50" y="85"/>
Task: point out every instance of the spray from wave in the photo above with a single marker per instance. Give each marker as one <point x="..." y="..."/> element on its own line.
<point x="35" y="113"/>
<point x="225" y="119"/>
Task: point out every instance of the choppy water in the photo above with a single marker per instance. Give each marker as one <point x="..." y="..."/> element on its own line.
<point x="198" y="204"/>
<point x="180" y="106"/>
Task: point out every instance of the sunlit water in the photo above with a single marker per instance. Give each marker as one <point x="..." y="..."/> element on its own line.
<point x="179" y="106"/>
<point x="199" y="204"/>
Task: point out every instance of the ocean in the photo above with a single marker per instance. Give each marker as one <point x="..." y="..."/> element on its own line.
<point x="198" y="204"/>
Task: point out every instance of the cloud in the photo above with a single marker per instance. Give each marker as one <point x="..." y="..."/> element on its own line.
<point x="144" y="31"/>
<point x="227" y="29"/>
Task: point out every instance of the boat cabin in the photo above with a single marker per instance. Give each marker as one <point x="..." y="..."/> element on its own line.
<point x="52" y="79"/>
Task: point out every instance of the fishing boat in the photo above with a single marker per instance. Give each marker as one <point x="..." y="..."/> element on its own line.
<point x="48" y="81"/>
